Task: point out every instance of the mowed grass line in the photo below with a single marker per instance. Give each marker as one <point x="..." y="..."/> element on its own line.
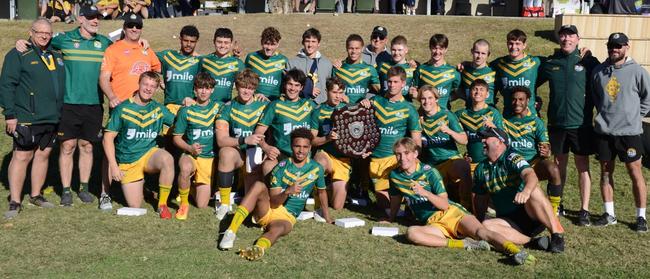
<point x="80" y="242"/>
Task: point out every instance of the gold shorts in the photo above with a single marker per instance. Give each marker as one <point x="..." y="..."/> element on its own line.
<point x="173" y="108"/>
<point x="276" y="214"/>
<point x="203" y="170"/>
<point x="447" y="221"/>
<point x="135" y="171"/>
<point x="445" y="169"/>
<point x="380" y="169"/>
<point x="341" y="167"/>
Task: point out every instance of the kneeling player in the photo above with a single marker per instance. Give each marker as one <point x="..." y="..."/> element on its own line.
<point x="522" y="209"/>
<point x="130" y="144"/>
<point x="529" y="139"/>
<point x="195" y="123"/>
<point x="447" y="223"/>
<point x="334" y="162"/>
<point x="276" y="209"/>
<point x="235" y="127"/>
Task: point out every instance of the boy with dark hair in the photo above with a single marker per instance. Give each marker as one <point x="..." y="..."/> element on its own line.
<point x="222" y="65"/>
<point x="268" y="64"/>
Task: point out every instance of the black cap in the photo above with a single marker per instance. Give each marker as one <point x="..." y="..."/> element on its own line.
<point x="88" y="11"/>
<point x="132" y="18"/>
<point x="618" y="39"/>
<point x="379" y="31"/>
<point x="495" y="132"/>
<point x="568" y="29"/>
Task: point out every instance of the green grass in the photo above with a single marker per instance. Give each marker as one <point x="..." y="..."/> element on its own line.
<point x="82" y="241"/>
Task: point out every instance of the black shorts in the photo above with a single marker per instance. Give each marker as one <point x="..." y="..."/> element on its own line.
<point x="30" y="137"/>
<point x="520" y="221"/>
<point x="628" y="148"/>
<point x="646" y="144"/>
<point x="81" y="122"/>
<point x="579" y="141"/>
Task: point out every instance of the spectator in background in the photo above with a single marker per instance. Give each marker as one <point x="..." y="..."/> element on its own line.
<point x="59" y="10"/>
<point x="438" y="7"/>
<point x="109" y="9"/>
<point x="160" y="9"/>
<point x="137" y="7"/>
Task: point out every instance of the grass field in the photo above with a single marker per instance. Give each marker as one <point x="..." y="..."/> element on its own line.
<point x="81" y="241"/>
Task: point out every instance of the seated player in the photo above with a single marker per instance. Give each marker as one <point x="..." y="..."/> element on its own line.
<point x="447" y="224"/>
<point x="222" y="65"/>
<point x="334" y="163"/>
<point x="137" y="7"/>
<point x="528" y="138"/>
<point x="130" y="144"/>
<point x="277" y="207"/>
<point x="398" y="50"/>
<point x="268" y="64"/>
<point x="395" y="117"/>
<point x="235" y="126"/>
<point x="193" y="134"/>
<point x="357" y="76"/>
<point x="283" y="116"/>
<point x="522" y="209"/>
<point x="441" y="132"/>
<point x="436" y="72"/>
<point x="476" y="118"/>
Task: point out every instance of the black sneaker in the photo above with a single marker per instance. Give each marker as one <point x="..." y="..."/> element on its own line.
<point x="40" y="201"/>
<point x="66" y="199"/>
<point x="85" y="197"/>
<point x="557" y="243"/>
<point x="641" y="225"/>
<point x="583" y="218"/>
<point x="560" y="210"/>
<point x="605" y="220"/>
<point x="539" y="243"/>
<point x="14" y="209"/>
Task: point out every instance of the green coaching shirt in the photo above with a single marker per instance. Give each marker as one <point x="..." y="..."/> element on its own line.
<point x="472" y="122"/>
<point x="358" y="78"/>
<point x="525" y="134"/>
<point x="83" y="60"/>
<point x="430" y="179"/>
<point x="510" y="73"/>
<point x="501" y="180"/>
<point x="438" y="146"/>
<point x="178" y="72"/>
<point x="137" y="128"/>
<point x="286" y="173"/>
<point x="284" y="116"/>
<point x="382" y="70"/>
<point x="444" y="78"/>
<point x="394" y="120"/>
<point x="270" y="70"/>
<point x="224" y="71"/>
<point x="241" y="118"/>
<point x="470" y="74"/>
<point x="196" y="123"/>
<point x="321" y="121"/>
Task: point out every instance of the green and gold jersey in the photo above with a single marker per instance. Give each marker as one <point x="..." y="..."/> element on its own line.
<point x="178" y="73"/>
<point x="395" y="121"/>
<point x="501" y="180"/>
<point x="382" y="70"/>
<point x="283" y="116"/>
<point x="321" y="121"/>
<point x="445" y="78"/>
<point x="137" y="128"/>
<point x="196" y="123"/>
<point x="429" y="178"/>
<point x="470" y="74"/>
<point x="358" y="78"/>
<point x="270" y="70"/>
<point x="241" y="118"/>
<point x="525" y="135"/>
<point x="511" y="73"/>
<point x="437" y="146"/>
<point x="83" y="60"/>
<point x="472" y="122"/>
<point x="223" y="70"/>
<point x="286" y="173"/>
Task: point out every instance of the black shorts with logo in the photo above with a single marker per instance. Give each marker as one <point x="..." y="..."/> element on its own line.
<point x="81" y="122"/>
<point x="30" y="137"/>
<point x="579" y="141"/>
<point x="520" y="221"/>
<point x="628" y="148"/>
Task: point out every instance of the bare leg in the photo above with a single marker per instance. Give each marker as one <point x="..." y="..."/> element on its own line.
<point x="584" y="179"/>
<point x="133" y="193"/>
<point x="607" y="180"/>
<point x="39" y="169"/>
<point x="426" y="236"/>
<point x="17" y="172"/>
<point x="85" y="160"/>
<point x="503" y="228"/>
<point x="638" y="183"/>
<point x="66" y="163"/>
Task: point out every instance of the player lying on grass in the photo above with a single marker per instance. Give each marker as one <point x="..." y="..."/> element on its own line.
<point x="522" y="209"/>
<point x="447" y="224"/>
<point x="277" y="206"/>
<point x="130" y="144"/>
<point x="193" y="134"/>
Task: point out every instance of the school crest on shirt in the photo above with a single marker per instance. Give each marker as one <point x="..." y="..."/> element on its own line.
<point x="97" y="44"/>
<point x="613" y="88"/>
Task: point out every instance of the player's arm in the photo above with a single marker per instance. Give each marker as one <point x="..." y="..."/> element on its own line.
<point x="109" y="150"/>
<point x="417" y="137"/>
<point x="644" y="92"/>
<point x="105" y="85"/>
<point x="440" y="201"/>
<point x="530" y="180"/>
<point x="459" y="137"/>
<point x="278" y="195"/>
<point x="224" y="139"/>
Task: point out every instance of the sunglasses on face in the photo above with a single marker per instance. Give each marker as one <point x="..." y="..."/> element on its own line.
<point x="614" y="46"/>
<point x="92" y="17"/>
<point x="133" y="24"/>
